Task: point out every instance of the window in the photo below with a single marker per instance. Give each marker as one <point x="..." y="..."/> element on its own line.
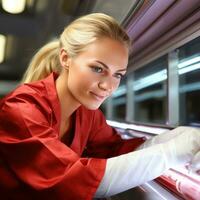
<point x="189" y="83"/>
<point x="119" y="102"/>
<point x="150" y="92"/>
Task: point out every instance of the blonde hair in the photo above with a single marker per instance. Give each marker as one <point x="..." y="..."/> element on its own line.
<point x="74" y="39"/>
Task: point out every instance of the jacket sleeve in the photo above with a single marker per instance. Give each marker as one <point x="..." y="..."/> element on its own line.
<point x="105" y="141"/>
<point x="32" y="150"/>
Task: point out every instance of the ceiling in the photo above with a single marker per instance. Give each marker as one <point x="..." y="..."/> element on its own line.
<point x="41" y="21"/>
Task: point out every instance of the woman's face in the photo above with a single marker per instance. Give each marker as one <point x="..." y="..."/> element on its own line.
<point x="94" y="74"/>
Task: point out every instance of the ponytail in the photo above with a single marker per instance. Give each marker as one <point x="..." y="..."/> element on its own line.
<point x="45" y="61"/>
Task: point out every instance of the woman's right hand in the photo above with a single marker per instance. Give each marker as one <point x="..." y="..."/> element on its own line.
<point x="185" y="145"/>
<point x="176" y="147"/>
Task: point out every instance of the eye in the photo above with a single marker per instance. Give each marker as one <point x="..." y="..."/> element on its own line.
<point x="119" y="75"/>
<point x="97" y="69"/>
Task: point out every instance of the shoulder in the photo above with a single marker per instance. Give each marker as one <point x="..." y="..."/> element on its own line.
<point x="24" y="111"/>
<point x="26" y="92"/>
<point x="26" y="99"/>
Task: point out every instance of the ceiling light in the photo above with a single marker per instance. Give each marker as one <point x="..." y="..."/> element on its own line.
<point x="14" y="7"/>
<point x="120" y="91"/>
<point x="189" y="68"/>
<point x="189" y="62"/>
<point x="2" y="47"/>
<point x="150" y="80"/>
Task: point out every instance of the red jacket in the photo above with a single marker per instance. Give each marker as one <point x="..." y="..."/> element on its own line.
<point x="35" y="164"/>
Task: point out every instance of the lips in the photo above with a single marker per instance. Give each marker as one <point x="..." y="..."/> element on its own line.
<point x="99" y="97"/>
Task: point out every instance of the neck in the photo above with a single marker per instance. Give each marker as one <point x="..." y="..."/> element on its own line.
<point x="67" y="102"/>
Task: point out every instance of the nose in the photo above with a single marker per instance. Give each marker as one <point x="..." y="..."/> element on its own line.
<point x="107" y="85"/>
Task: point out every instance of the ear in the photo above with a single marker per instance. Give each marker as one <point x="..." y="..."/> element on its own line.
<point x="64" y="59"/>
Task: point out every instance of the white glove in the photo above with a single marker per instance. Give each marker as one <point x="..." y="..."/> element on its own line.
<point x="194" y="166"/>
<point x="186" y="144"/>
<point x="158" y="139"/>
<point x="135" y="168"/>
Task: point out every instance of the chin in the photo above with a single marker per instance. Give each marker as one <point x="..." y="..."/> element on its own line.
<point x="92" y="106"/>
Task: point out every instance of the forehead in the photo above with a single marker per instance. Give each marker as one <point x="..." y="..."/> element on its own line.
<point x="109" y="51"/>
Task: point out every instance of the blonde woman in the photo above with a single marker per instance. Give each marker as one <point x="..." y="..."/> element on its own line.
<point x="55" y="143"/>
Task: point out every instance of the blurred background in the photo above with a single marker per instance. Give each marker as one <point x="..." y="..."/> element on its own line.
<point x="162" y="84"/>
<point x="162" y="87"/>
<point x="25" y="25"/>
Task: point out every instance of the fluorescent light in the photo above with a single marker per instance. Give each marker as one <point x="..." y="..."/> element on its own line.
<point x="184" y="67"/>
<point x="160" y="76"/>
<point x="14" y="7"/>
<point x="120" y="91"/>
<point x="2" y="47"/>
<point x="150" y="80"/>
<point x="189" y="68"/>
<point x="189" y="62"/>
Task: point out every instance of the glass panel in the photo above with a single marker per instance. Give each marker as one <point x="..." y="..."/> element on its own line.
<point x="150" y="92"/>
<point x="119" y="102"/>
<point x="189" y="83"/>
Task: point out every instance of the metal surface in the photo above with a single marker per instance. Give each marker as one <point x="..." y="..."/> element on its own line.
<point x="130" y="98"/>
<point x="173" y="89"/>
<point x="147" y="191"/>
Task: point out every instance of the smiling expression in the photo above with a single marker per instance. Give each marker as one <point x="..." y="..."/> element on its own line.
<point x="95" y="73"/>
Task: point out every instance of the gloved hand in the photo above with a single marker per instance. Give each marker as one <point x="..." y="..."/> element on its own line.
<point x="194" y="166"/>
<point x="161" y="138"/>
<point x="186" y="144"/>
<point x="135" y="168"/>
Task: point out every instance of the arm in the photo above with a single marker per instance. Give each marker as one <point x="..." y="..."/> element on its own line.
<point x="158" y="139"/>
<point x="133" y="169"/>
<point x="150" y="160"/>
<point x="105" y="142"/>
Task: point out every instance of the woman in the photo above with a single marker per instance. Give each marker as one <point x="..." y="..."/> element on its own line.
<point x="55" y="143"/>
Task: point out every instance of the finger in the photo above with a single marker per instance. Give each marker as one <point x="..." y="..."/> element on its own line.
<point x="195" y="163"/>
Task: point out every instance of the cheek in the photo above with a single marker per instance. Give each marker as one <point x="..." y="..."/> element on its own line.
<point x="80" y="80"/>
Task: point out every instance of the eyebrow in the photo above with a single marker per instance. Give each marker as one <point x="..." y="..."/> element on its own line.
<point x="108" y="67"/>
